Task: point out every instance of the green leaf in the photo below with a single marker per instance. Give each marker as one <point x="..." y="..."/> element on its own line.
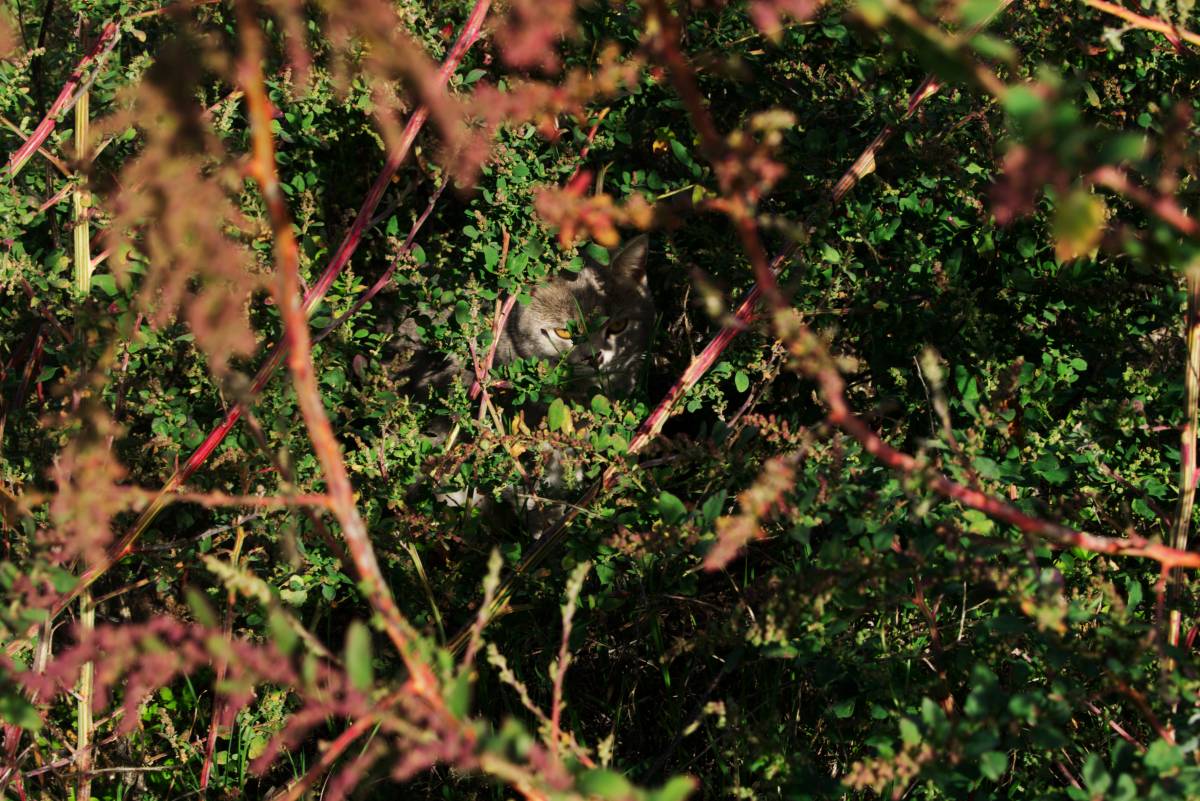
<point x="106" y="282"/>
<point x="676" y="789"/>
<point x="598" y="252"/>
<point x="1022" y="102"/>
<point x="458" y="696"/>
<point x="358" y="656"/>
<point x="874" y="12"/>
<point x="1126" y="789"/>
<point x="1095" y="777"/>
<point x="1049" y="468"/>
<point x="976" y="11"/>
<point x="17" y="710"/>
<point x="993" y="764"/>
<point x="62" y="580"/>
<point x="601" y="406"/>
<point x="201" y="608"/>
<point x="845" y="709"/>
<point x="1134" y="589"/>
<point x="1078" y="224"/>
<point x="713" y="507"/>
<point x="491" y="257"/>
<point x="1161" y="756"/>
<point x="681" y="152"/>
<point x="670" y="508"/>
<point x="994" y="48"/>
<point x="978" y="522"/>
<point x="557" y="415"/>
<point x="1125" y="147"/>
<point x="606" y="784"/>
<point x="741" y="381"/>
<point x="462" y="313"/>
<point x="282" y="633"/>
<point x="909" y="733"/>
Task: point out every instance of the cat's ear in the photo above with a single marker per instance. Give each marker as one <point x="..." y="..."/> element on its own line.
<point x="629" y="263"/>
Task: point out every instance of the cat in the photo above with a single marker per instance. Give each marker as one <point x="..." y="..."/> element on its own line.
<point x="597" y="323"/>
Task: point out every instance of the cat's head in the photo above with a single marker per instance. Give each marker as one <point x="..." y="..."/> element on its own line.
<point x="597" y="321"/>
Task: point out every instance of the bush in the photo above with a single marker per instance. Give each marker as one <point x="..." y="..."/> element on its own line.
<point x="900" y="504"/>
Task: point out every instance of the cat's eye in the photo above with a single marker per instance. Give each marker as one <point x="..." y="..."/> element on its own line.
<point x="565" y="333"/>
<point x="617" y="326"/>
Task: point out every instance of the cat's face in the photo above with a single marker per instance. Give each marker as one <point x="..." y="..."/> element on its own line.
<point x="598" y="322"/>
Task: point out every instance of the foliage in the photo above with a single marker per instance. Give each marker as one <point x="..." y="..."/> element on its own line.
<point x="919" y="528"/>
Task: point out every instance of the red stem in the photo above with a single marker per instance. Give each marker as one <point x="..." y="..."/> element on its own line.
<point x="65" y="100"/>
<point x="383" y="280"/>
<point x="308" y="396"/>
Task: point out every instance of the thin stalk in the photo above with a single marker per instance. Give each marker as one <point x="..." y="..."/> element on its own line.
<point x="82" y="201"/>
<point x="222" y="667"/>
<point x="83" y="719"/>
<point x="1187" y="450"/>
<point x="419" y="565"/>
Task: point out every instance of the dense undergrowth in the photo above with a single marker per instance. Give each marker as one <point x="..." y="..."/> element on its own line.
<point x="768" y="601"/>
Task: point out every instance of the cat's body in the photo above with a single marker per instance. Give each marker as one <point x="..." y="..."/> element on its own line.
<point x="596" y="322"/>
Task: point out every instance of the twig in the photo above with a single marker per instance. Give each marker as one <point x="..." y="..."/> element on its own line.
<point x="46" y="314"/>
<point x="31" y="364"/>
<point x="738" y="207"/>
<point x="839" y="415"/>
<point x="54" y="160"/>
<point x="499" y="321"/>
<point x="1174" y="34"/>
<point x="864" y="165"/>
<point x="1066" y="772"/>
<point x="1162" y="206"/>
<point x="182" y="5"/>
<point x="475" y="630"/>
<point x="335" y="749"/>
<point x="587" y="145"/>
<point x="1116" y="727"/>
